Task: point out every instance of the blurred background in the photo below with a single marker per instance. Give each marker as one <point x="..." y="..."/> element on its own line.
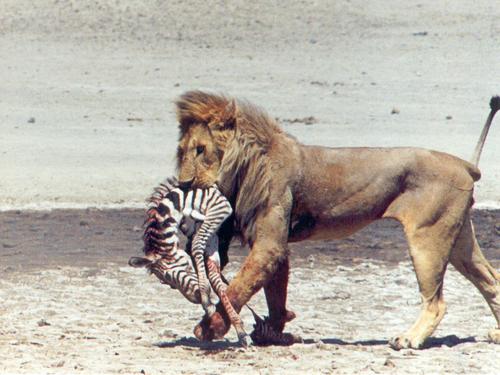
<point x="87" y="87"/>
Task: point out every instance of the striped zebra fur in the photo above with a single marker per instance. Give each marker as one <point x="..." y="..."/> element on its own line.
<point x="168" y="210"/>
<point x="264" y="334"/>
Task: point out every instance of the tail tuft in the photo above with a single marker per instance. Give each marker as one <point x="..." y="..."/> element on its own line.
<point x="495" y="103"/>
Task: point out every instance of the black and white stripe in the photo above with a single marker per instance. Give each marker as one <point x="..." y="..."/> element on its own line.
<point x="170" y="208"/>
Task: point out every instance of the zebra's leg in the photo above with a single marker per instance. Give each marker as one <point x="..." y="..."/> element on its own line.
<point x="220" y="288"/>
<point x="268" y="249"/>
<point x="203" y="283"/>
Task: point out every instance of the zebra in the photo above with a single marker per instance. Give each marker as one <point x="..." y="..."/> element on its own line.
<point x="264" y="334"/>
<point x="169" y="208"/>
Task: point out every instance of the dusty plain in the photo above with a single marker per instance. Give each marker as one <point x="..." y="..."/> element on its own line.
<point x="70" y="304"/>
<point x="87" y="128"/>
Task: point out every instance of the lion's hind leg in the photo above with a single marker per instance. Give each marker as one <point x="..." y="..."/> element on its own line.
<point x="469" y="260"/>
<point x="430" y="276"/>
<point x="430" y="238"/>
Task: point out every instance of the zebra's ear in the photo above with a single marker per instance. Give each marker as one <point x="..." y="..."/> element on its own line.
<point x="138" y="262"/>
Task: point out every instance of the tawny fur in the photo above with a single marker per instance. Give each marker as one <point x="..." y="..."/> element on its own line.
<point x="284" y="191"/>
<point x="244" y="167"/>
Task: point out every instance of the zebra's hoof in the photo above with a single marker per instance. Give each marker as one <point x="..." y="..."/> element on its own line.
<point x="243" y="340"/>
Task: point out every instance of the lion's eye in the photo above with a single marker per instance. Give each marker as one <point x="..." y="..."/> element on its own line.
<point x="200" y="150"/>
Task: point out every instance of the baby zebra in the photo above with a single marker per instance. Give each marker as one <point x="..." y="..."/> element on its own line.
<point x="169" y="208"/>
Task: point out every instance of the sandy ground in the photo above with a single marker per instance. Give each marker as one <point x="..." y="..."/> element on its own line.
<point x="87" y="120"/>
<point x="70" y="304"/>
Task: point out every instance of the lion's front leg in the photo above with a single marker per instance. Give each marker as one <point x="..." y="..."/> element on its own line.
<point x="268" y="251"/>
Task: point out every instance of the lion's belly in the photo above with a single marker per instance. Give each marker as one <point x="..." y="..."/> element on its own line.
<point x="325" y="231"/>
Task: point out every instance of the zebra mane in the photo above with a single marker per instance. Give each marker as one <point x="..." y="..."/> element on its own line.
<point x="152" y="222"/>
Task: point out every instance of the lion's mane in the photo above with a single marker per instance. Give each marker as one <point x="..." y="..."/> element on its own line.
<point x="245" y="172"/>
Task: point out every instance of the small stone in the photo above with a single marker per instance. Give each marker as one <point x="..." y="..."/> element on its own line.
<point x="310" y="259"/>
<point x="42" y="323"/>
<point x="341" y="295"/>
<point x="449" y="117"/>
<point x="84" y="223"/>
<point x="58" y="364"/>
<point x="31" y="120"/>
<point x="137" y="228"/>
<point x="497" y="229"/>
<point x="319" y="83"/>
<point x="168" y="333"/>
<point x="389" y="363"/>
<point x="395" y="111"/>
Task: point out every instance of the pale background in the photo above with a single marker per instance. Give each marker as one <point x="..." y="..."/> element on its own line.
<point x="100" y="77"/>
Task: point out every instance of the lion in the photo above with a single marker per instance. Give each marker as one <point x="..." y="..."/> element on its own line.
<point x="283" y="191"/>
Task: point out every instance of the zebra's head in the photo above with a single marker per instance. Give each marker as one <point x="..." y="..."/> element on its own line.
<point x="159" y="267"/>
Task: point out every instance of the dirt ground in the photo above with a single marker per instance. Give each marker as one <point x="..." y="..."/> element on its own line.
<point x="87" y="120"/>
<point x="70" y="304"/>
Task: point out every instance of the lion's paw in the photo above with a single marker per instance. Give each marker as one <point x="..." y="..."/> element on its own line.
<point x="405" y="342"/>
<point x="494" y="336"/>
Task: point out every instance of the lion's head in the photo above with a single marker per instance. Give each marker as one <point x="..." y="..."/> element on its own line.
<point x="206" y="125"/>
<point x="226" y="141"/>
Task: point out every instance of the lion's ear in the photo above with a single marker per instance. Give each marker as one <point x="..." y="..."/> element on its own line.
<point x="227" y="119"/>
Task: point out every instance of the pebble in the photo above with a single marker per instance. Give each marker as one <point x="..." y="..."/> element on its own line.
<point x="42" y="323"/>
<point x="497" y="228"/>
<point x="59" y="364"/>
<point x="389" y="363"/>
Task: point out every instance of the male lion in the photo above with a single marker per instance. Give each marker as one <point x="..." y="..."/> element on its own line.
<point x="283" y="191"/>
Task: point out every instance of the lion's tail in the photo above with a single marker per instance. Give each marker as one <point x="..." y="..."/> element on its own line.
<point x="495" y="106"/>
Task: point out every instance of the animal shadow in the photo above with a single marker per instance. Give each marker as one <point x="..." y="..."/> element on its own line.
<point x="192" y="342"/>
<point x="218" y="346"/>
<point x="342" y="342"/>
<point x="449" y="341"/>
<point x="432" y="342"/>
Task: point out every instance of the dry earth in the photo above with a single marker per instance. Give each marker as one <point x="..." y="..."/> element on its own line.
<point x="70" y="304"/>
<point x="86" y="119"/>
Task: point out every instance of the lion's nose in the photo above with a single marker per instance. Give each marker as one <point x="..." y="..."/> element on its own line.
<point x="186" y="184"/>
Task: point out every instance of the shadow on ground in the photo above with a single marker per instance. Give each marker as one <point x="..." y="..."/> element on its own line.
<point x="433" y="342"/>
